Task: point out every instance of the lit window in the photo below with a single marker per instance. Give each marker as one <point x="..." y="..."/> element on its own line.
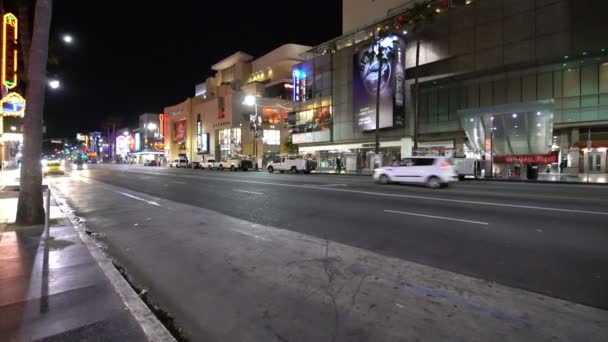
<point x="272" y="137"/>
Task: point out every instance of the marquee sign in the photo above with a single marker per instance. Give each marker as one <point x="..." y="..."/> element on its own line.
<point x="13" y="104"/>
<point x="9" y="51"/>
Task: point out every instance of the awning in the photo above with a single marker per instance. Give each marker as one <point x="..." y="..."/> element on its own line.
<point x="518" y="129"/>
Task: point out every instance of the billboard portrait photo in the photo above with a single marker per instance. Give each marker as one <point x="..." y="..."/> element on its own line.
<point x="392" y="87"/>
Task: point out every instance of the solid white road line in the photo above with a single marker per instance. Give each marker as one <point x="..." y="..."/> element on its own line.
<point x="435" y="217"/>
<point x="176" y="182"/>
<point x="138" y="198"/>
<point x="248" y="192"/>
<point x="494" y="204"/>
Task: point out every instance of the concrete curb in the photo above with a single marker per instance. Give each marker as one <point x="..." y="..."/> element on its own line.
<point x="525" y="181"/>
<point x="149" y="323"/>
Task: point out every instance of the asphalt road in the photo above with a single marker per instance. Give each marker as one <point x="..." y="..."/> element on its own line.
<point x="549" y="239"/>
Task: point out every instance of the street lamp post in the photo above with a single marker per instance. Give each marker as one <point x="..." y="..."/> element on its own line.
<point x="250" y="100"/>
<point x="492" y="152"/>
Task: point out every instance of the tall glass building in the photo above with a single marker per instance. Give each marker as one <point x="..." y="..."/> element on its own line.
<point x="498" y="79"/>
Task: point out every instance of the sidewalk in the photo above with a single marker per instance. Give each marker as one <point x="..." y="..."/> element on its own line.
<point x="9" y="179"/>
<point x="56" y="291"/>
<point x="597" y="179"/>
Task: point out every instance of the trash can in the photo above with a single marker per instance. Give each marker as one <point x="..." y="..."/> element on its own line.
<point x="532" y="171"/>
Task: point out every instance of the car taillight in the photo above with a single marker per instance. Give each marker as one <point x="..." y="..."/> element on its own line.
<point x="445" y="166"/>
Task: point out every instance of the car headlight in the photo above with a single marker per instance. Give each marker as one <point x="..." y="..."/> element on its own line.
<point x="61" y="168"/>
<point x="378" y="170"/>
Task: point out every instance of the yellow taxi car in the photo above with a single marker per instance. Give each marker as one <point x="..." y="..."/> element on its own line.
<point x="53" y="167"/>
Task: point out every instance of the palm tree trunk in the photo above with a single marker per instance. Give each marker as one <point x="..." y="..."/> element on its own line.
<point x="416" y="99"/>
<point x="29" y="208"/>
<point x="377" y="149"/>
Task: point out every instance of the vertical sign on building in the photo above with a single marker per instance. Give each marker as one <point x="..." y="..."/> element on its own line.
<point x="9" y="51"/>
<point x="161" y="125"/>
<point x="299" y="87"/>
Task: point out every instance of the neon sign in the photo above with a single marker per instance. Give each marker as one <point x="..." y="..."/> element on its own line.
<point x="161" y="124"/>
<point x="9" y="51"/>
<point x="13" y="104"/>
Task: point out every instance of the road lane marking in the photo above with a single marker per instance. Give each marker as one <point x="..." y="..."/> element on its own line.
<point x="438" y="199"/>
<point x="435" y="217"/>
<point x="138" y="198"/>
<point x="255" y="236"/>
<point x="82" y="179"/>
<point x="248" y="192"/>
<point x="179" y="182"/>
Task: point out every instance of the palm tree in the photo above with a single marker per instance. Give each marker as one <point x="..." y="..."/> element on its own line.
<point x="29" y="209"/>
<point x="420" y="14"/>
<point x="110" y="124"/>
<point x="382" y="55"/>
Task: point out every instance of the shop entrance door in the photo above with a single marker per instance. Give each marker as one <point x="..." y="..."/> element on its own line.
<point x="594" y="162"/>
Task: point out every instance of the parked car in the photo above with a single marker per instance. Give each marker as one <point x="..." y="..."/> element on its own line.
<point x="210" y="164"/>
<point x="194" y="165"/>
<point x="151" y="163"/>
<point x="292" y="164"/>
<point x="435" y="172"/>
<point x="53" y="167"/>
<point x="235" y="163"/>
<point x="177" y="163"/>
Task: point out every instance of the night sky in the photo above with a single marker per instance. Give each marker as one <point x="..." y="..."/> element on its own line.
<point x="131" y="57"/>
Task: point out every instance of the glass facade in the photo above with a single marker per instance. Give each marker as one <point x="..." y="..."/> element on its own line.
<point x="311" y="119"/>
<point x="579" y="89"/>
<point x="229" y="142"/>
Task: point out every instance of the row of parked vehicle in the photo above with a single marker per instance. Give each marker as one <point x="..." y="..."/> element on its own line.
<point x="293" y="164"/>
<point x="233" y="163"/>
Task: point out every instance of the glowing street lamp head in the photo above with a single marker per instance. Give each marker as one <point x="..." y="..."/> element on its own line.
<point x="125" y="133"/>
<point x="68" y="39"/>
<point x="152" y="126"/>
<point x="54" y="84"/>
<point x="249" y="100"/>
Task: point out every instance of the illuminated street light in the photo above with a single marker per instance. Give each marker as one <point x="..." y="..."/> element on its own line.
<point x="54" y="84"/>
<point x="152" y="126"/>
<point x="68" y="39"/>
<point x="249" y="100"/>
<point x="125" y="133"/>
<point x="13" y="128"/>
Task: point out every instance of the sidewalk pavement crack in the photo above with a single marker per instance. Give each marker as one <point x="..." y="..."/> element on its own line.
<point x="330" y="291"/>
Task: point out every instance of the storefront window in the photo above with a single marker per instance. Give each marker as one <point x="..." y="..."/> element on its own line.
<point x="272" y="137"/>
<point x="229" y="141"/>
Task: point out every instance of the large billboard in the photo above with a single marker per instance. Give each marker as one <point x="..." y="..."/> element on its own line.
<point x="180" y="132"/>
<point x="392" y="87"/>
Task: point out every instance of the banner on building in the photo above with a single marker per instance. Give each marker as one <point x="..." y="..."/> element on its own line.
<point x="392" y="87"/>
<point x="180" y="132"/>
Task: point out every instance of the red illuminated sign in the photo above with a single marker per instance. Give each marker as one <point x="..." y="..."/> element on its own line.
<point x="530" y="158"/>
<point x="9" y="51"/>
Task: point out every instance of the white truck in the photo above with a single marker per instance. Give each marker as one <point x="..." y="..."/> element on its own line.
<point x="466" y="168"/>
<point x="291" y="164"/>
<point x="233" y="163"/>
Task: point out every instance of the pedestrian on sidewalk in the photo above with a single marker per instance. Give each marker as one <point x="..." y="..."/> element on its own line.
<point x="338" y="165"/>
<point x="517" y="167"/>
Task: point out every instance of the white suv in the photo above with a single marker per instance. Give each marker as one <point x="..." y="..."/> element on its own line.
<point x="177" y="163"/>
<point x="435" y="172"/>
